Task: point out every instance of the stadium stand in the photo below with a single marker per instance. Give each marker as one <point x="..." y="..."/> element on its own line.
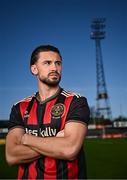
<point x="94" y="131"/>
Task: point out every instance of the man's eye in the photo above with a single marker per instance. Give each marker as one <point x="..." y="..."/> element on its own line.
<point x="58" y="62"/>
<point x="47" y="62"/>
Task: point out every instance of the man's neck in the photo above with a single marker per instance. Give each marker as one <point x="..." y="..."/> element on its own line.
<point x="46" y="91"/>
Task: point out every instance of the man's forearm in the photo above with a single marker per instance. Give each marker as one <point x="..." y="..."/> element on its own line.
<point x="26" y="153"/>
<point x="21" y="154"/>
<point x="16" y="152"/>
<point x="56" y="147"/>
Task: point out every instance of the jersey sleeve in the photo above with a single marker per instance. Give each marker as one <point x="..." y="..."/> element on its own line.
<point x="15" y="119"/>
<point x="79" y="110"/>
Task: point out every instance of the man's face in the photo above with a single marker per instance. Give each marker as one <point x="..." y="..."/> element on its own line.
<point x="48" y="68"/>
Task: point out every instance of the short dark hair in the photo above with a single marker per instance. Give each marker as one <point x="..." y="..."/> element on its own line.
<point x="42" y="48"/>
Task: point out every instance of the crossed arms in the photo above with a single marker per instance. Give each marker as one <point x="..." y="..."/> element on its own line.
<point x="24" y="148"/>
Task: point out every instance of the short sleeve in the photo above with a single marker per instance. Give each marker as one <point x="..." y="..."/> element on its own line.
<point x="79" y="110"/>
<point x="15" y="118"/>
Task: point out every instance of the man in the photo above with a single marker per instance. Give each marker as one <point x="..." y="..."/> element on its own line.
<point x="47" y="129"/>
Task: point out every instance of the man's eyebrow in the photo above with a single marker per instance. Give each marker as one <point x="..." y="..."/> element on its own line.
<point x="53" y="60"/>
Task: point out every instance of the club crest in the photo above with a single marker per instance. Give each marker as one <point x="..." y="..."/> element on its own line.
<point x="57" y="110"/>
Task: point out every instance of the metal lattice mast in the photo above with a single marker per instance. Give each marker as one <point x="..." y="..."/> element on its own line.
<point x="103" y="109"/>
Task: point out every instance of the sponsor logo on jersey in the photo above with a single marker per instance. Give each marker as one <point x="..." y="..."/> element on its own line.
<point x="47" y="132"/>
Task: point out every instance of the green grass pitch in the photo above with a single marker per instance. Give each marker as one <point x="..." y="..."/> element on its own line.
<point x="106" y="159"/>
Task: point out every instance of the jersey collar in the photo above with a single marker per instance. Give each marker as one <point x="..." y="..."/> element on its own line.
<point x="48" y="99"/>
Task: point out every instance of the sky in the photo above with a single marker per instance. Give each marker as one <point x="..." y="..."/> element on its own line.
<point x="26" y="24"/>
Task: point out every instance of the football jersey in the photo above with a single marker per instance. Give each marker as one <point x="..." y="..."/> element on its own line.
<point x="46" y="119"/>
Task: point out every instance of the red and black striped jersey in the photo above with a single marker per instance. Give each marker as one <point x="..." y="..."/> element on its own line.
<point x="46" y="119"/>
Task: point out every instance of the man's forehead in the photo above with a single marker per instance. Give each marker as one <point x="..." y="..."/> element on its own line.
<point x="49" y="55"/>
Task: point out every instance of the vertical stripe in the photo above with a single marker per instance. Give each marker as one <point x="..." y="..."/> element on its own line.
<point x="40" y="162"/>
<point x="40" y="168"/>
<point x="50" y="168"/>
<point x="59" y="169"/>
<point x="32" y="119"/>
<point x="49" y="163"/>
<point x="23" y="106"/>
<point x="40" y="113"/>
<point x="25" y="173"/>
<point x="47" y="115"/>
<point x="62" y="166"/>
<point x="20" y="172"/>
<point x="82" y="172"/>
<point x="32" y="174"/>
<point x="62" y="169"/>
<point x="28" y="170"/>
<point x="67" y="105"/>
<point x="73" y="169"/>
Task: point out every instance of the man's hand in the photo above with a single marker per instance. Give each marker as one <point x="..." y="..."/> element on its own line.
<point x="25" y="139"/>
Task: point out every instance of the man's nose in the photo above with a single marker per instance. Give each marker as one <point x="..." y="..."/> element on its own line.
<point x="53" y="66"/>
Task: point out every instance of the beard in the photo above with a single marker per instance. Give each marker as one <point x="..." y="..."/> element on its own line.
<point x="51" y="82"/>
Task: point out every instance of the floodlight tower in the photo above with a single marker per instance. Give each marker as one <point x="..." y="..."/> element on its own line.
<point x="103" y="109"/>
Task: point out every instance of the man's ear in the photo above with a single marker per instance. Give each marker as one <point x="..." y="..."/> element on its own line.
<point x="34" y="69"/>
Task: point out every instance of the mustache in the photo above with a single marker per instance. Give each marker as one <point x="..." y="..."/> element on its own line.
<point x="54" y="72"/>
